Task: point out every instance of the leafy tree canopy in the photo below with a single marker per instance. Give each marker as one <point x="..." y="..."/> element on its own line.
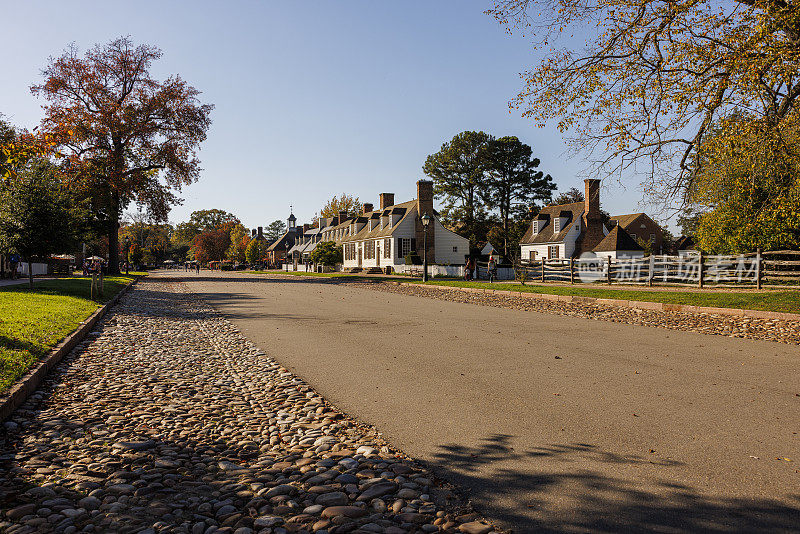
<point x="128" y="137"/>
<point x="275" y="230"/>
<point x="458" y="172"/>
<point x="36" y="213"/>
<point x="749" y="190"/>
<point x="212" y="219"/>
<point x="344" y="202"/>
<point x="211" y="245"/>
<point x="651" y="79"/>
<point x="240" y="238"/>
<point x="569" y="196"/>
<point x="512" y="180"/>
<point x="327" y="253"/>
<point x="256" y="251"/>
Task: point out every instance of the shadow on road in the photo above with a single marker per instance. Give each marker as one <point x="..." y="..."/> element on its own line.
<point x="564" y="494"/>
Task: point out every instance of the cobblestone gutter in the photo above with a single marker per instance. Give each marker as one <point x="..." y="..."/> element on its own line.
<point x="780" y="330"/>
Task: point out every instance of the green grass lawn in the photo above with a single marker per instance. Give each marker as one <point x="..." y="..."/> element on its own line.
<point x="774" y="300"/>
<point x="32" y="322"/>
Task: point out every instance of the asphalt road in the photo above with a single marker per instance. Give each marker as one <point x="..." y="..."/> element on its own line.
<point x="552" y="424"/>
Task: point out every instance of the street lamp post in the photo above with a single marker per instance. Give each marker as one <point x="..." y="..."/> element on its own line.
<point x="127" y="254"/>
<point x="426" y="219"/>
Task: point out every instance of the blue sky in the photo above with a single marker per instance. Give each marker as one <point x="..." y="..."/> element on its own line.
<point x="313" y="98"/>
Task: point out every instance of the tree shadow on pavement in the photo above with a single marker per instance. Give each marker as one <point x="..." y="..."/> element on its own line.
<point x="572" y="497"/>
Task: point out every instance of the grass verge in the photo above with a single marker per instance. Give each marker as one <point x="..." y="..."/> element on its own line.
<point x="32" y="322"/>
<point x="776" y="300"/>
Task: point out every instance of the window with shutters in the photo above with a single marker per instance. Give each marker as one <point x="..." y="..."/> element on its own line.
<point x="405" y="247"/>
<point x="369" y="250"/>
<point x="553" y="252"/>
<point x="387" y="247"/>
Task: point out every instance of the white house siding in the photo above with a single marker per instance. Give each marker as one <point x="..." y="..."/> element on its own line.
<point x="445" y="241"/>
<point x="406" y="229"/>
<point x="543" y="250"/>
<point x="566" y="248"/>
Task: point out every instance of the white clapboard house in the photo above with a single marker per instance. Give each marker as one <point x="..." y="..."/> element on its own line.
<point x="382" y="238"/>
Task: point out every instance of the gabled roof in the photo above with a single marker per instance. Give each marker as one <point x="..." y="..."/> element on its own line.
<point x="617" y="239"/>
<point x="404" y="208"/>
<point x="625" y="220"/>
<point x="279" y="244"/>
<point x="546" y="235"/>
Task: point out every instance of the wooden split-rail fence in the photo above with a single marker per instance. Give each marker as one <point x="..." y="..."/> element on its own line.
<point x="780" y="267"/>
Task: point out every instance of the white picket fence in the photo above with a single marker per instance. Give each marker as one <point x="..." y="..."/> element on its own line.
<point x="38" y="269"/>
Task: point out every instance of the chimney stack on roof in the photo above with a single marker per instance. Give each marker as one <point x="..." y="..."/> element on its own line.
<point x="425" y="205"/>
<point x="425" y="197"/>
<point x="306" y="228"/>
<point x="386" y="200"/>
<point x="592" y="218"/>
<point x="367" y="208"/>
<point x="592" y="196"/>
<point x="342" y="216"/>
<point x="260" y="231"/>
<point x="253" y="232"/>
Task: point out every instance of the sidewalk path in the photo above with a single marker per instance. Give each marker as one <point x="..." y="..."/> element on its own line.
<point x="167" y="419"/>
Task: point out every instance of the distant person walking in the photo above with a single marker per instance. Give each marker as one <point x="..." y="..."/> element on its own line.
<point x="492" y="269"/>
<point x="198" y="267"/>
<point x="14" y="259"/>
<point x="469" y="268"/>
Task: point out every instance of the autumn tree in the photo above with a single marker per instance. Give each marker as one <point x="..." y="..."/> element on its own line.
<point x="212" y="219"/>
<point x="152" y="238"/>
<point x="211" y="245"/>
<point x="129" y="137"/>
<point x="256" y="251"/>
<point x="275" y="230"/>
<point x="36" y="213"/>
<point x="239" y="242"/>
<point x="644" y="90"/>
<point x="344" y="202"/>
<point x="748" y="192"/>
<point x="512" y="180"/>
<point x="458" y="173"/>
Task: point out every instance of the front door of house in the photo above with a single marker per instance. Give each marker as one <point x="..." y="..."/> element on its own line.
<point x="360" y="256"/>
<point x="378" y="256"/>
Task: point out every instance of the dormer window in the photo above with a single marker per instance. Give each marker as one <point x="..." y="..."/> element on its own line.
<point x="557" y="224"/>
<point x="535" y="227"/>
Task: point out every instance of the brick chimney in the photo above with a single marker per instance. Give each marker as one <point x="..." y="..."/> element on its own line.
<point x="592" y="218"/>
<point x="342" y="216"/>
<point x="425" y="205"/>
<point x="367" y="207"/>
<point x="260" y="231"/>
<point x="306" y="228"/>
<point x="386" y="200"/>
<point x="253" y="232"/>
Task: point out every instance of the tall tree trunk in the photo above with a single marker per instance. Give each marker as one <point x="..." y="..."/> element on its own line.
<point x="113" y="236"/>
<point x="30" y="272"/>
